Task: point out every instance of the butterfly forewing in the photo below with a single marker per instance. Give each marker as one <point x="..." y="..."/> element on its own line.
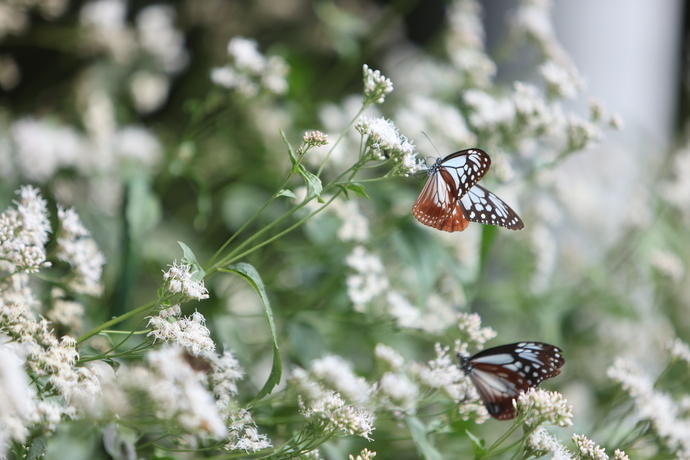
<point x="482" y="206"/>
<point x="500" y="374"/>
<point x="465" y="168"/>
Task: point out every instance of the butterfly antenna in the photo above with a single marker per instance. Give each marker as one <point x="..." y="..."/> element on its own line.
<point x="432" y="144"/>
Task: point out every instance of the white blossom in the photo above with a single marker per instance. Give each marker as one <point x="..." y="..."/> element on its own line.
<point x="189" y="332"/>
<point x="537" y="406"/>
<point x="76" y="247"/>
<point x="376" y="86"/>
<point x="180" y="280"/>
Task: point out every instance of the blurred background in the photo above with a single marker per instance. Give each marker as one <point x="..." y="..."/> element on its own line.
<point x="122" y="110"/>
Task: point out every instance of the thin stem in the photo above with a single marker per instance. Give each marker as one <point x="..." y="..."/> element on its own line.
<point x="328" y="155"/>
<point x="117" y="320"/>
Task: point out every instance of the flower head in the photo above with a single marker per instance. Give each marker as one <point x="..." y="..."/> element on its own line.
<point x="180" y="280"/>
<point x="24" y="232"/>
<point x="385" y="142"/>
<point x="537" y="406"/>
<point x="376" y="86"/>
<point x="588" y="450"/>
<point x="190" y="332"/>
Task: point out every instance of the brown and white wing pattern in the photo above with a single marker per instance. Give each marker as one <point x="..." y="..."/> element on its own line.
<point x="437" y="205"/>
<point x="450" y="178"/>
<point x="500" y="374"/>
<point x="482" y="206"/>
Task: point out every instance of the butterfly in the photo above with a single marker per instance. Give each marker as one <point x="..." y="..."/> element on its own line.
<point x="500" y="374"/>
<point x="451" y="198"/>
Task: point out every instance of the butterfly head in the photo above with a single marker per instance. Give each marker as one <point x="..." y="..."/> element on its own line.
<point x="465" y="364"/>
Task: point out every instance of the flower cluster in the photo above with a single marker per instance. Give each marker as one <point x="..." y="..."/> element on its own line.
<point x="668" y="419"/>
<point x="537" y="406"/>
<point x="181" y="280"/>
<point x="190" y="333"/>
<point x="249" y="71"/>
<point x="24" y="233"/>
<point x="76" y="247"/>
<point x="376" y="86"/>
<point x="470" y="325"/>
<point x="325" y="407"/>
<point x="384" y="142"/>
<point x="369" y="279"/>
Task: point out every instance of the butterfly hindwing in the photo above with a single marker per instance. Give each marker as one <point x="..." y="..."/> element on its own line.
<point x="501" y="373"/>
<point x="482" y="206"/>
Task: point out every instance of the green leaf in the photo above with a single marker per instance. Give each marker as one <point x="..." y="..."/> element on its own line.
<point x="314" y="184"/>
<point x="293" y="158"/>
<point x="37" y="450"/>
<point x="286" y="192"/>
<point x="478" y="445"/>
<point x="358" y="189"/>
<point x="249" y="273"/>
<point x="421" y="440"/>
<point x="198" y="273"/>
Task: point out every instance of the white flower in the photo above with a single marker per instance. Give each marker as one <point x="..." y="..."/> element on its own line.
<point x="336" y="373"/>
<point x="489" y="113"/>
<point x="24" y="232"/>
<point x="389" y="357"/>
<point x="537" y="406"/>
<point x="588" y="450"/>
<point x="249" y="71"/>
<point x="385" y="142"/>
<point x="149" y="90"/>
<point x="370" y="279"/>
<point x="679" y="350"/>
<point x="561" y="82"/>
<point x="542" y="443"/>
<point x="158" y="36"/>
<point x="398" y="392"/>
<point x="469" y="325"/>
<point x="333" y="410"/>
<point x="376" y="86"/>
<point x="179" y="280"/>
<point x="76" y="247"/>
<point x="17" y="404"/>
<point x="191" y="332"/>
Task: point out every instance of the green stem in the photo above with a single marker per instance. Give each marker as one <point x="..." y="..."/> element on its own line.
<point x="117" y="320"/>
<point x="328" y="155"/>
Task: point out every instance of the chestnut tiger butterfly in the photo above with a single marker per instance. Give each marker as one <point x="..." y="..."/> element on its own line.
<point x="451" y="198"/>
<point x="501" y="373"/>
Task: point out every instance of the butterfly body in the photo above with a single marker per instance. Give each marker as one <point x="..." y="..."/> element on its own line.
<point x="451" y="198"/>
<point x="501" y="373"/>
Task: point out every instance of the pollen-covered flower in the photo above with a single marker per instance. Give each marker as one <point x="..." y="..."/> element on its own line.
<point x="537" y="406"/>
<point x="376" y="86"/>
<point x="180" y="280"/>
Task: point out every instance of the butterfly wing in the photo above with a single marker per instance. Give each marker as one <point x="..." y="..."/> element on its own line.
<point x="500" y="374"/>
<point x="480" y="205"/>
<point x="498" y="387"/>
<point x="437" y="205"/>
<point x="465" y="168"/>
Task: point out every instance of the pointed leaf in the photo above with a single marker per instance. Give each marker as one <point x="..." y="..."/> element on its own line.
<point x="358" y="189"/>
<point x="291" y="152"/>
<point x="249" y="273"/>
<point x="421" y="440"/>
<point x="198" y="273"/>
<point x="286" y="192"/>
<point x="478" y="445"/>
<point x="314" y="184"/>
